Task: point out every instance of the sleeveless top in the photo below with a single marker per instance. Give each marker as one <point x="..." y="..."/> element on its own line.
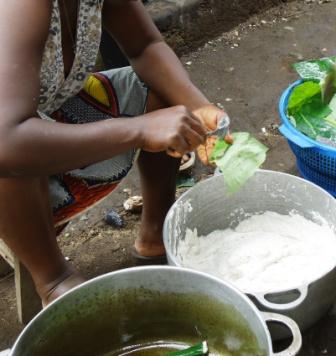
<point x="55" y="89"/>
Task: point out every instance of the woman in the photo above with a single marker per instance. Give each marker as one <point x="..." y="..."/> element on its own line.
<point x="83" y="133"/>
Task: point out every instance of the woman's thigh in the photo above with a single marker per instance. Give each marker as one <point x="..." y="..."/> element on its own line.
<point x="114" y="93"/>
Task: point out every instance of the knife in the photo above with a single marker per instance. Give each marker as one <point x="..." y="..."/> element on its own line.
<point x="222" y="129"/>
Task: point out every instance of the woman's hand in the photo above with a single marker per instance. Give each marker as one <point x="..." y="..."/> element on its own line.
<point x="209" y="115"/>
<point x="174" y="130"/>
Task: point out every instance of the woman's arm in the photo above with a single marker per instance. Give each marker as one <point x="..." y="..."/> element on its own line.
<point x="32" y="146"/>
<point x="152" y="59"/>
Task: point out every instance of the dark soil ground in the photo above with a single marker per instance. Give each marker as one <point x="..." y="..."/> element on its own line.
<point x="244" y="65"/>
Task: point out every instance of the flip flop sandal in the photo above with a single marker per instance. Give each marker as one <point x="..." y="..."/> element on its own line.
<point x="148" y="260"/>
<point x="189" y="163"/>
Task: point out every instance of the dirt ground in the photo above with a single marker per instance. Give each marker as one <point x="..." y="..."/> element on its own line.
<point x="245" y="70"/>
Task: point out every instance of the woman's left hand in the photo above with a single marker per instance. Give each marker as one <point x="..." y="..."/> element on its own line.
<point x="209" y="116"/>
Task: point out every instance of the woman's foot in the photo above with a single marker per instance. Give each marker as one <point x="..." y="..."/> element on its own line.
<point x="149" y="248"/>
<point x="64" y="283"/>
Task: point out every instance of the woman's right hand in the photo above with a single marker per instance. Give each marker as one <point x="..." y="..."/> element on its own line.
<point x="174" y="130"/>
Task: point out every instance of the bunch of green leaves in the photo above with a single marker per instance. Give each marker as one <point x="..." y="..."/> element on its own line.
<point x="308" y="109"/>
<point x="308" y="113"/>
<point x="240" y="160"/>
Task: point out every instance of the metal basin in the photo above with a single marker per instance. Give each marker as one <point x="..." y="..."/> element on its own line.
<point x="207" y="207"/>
<point x="114" y="314"/>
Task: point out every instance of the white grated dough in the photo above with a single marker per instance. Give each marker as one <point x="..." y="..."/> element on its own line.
<point x="264" y="253"/>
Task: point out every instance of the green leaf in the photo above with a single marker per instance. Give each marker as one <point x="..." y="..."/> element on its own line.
<point x="302" y="93"/>
<point x="241" y="160"/>
<point x="197" y="350"/>
<point x="312" y="118"/>
<point x="314" y="70"/>
<point x="185" y="182"/>
<point x="332" y="106"/>
<point x="220" y="147"/>
<point x="315" y="108"/>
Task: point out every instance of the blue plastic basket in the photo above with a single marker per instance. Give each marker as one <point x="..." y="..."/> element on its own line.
<point x="316" y="162"/>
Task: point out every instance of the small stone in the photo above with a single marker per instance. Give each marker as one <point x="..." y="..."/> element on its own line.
<point x="127" y="191"/>
<point x="189" y="63"/>
<point x="228" y="99"/>
<point x="324" y="49"/>
<point x="274" y="126"/>
<point x="298" y="56"/>
<point x="221" y="106"/>
<point x="289" y="28"/>
<point x="236" y="45"/>
<point x="83" y="218"/>
<point x="114" y="219"/>
<point x="133" y="204"/>
<point x="264" y="22"/>
<point x="115" y="248"/>
<point x="67" y="235"/>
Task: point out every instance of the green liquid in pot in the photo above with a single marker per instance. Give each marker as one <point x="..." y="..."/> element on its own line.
<point x="129" y="322"/>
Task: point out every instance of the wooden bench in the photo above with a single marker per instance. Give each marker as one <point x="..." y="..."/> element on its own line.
<point x="27" y="300"/>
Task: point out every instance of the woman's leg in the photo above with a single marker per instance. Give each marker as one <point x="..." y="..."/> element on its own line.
<point x="26" y="226"/>
<point x="158" y="173"/>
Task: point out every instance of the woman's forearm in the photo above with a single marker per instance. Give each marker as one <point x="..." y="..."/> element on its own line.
<point x="161" y="70"/>
<point x="40" y="147"/>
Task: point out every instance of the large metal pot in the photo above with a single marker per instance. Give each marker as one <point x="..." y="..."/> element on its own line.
<point x="208" y="207"/>
<point x="97" y="317"/>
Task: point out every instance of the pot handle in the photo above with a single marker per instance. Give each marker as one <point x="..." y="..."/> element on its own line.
<point x="5" y="352"/>
<point x="296" y="344"/>
<point x="303" y="292"/>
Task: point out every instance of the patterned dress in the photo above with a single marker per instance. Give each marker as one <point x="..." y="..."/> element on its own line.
<point x="81" y="98"/>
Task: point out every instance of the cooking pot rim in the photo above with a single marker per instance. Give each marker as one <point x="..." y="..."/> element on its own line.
<point x="172" y="269"/>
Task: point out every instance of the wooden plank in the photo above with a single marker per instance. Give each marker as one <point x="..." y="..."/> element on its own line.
<point x="6" y="253"/>
<point x="27" y="299"/>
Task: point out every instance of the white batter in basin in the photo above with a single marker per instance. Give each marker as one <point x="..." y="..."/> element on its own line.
<point x="208" y="207"/>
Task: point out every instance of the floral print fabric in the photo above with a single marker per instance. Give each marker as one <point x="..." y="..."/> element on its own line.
<point x="55" y="89"/>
